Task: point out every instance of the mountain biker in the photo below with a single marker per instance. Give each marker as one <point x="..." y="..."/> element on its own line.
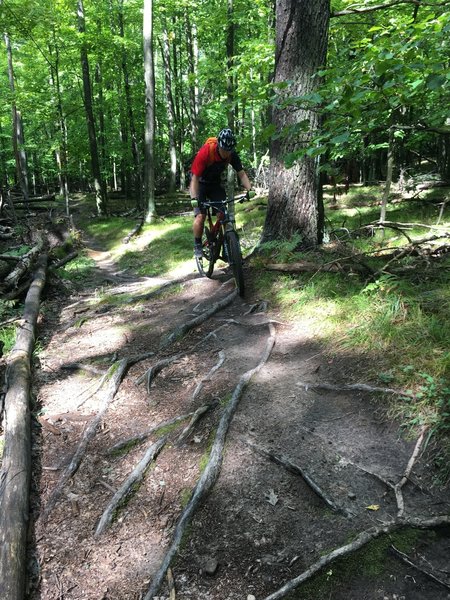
<point x="208" y="165"/>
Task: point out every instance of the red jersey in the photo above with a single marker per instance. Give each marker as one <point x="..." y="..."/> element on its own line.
<point x="208" y="164"/>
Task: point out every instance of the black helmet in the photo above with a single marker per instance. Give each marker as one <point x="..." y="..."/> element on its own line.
<point x="226" y="140"/>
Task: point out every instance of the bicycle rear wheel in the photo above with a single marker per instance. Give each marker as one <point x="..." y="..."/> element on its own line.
<point x="235" y="260"/>
<point x="205" y="264"/>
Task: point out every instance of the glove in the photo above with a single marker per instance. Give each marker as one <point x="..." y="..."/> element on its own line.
<point x="249" y="195"/>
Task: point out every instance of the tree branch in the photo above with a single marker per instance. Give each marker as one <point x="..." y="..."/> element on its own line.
<point x="366" y="9"/>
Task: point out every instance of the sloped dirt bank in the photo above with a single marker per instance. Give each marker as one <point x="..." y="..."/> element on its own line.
<point x="262" y="524"/>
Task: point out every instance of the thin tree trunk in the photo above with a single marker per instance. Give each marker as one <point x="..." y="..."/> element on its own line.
<point x="170" y="110"/>
<point x="149" y="75"/>
<point x="99" y="187"/>
<point x="62" y="152"/>
<point x="17" y="134"/>
<point x="193" y="110"/>
<point x="230" y="62"/>
<point x="389" y="171"/>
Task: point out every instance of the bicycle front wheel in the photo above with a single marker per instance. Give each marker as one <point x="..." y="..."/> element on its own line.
<point x="235" y="260"/>
<point x="205" y="264"/>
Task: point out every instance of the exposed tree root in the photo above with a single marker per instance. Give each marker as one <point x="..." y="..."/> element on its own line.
<point x="358" y="387"/>
<point x="157" y="290"/>
<point x="151" y="373"/>
<point x="135" y="476"/>
<point x="410" y="563"/>
<point x="208" y="376"/>
<point x="182" y="329"/>
<point x="115" y="374"/>
<point x="134" y="231"/>
<point x="293" y="468"/>
<point x="15" y="474"/>
<point x="141" y="437"/>
<point x="212" y="470"/>
<point x="192" y="423"/>
<point x="361" y="540"/>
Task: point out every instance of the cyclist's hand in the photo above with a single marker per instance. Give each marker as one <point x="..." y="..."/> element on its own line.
<point x="249" y="195"/>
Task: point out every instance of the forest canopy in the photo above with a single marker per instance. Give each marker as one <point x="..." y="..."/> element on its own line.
<point x="385" y="86"/>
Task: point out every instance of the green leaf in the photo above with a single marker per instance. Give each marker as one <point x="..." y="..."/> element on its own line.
<point x="435" y="81"/>
<point x="340" y="139"/>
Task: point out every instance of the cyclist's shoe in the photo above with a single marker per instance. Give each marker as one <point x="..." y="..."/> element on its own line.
<point x="198" y="251"/>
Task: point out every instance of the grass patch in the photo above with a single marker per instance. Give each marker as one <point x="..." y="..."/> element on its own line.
<point x="7" y="338"/>
<point x="77" y="270"/>
<point x="399" y="324"/>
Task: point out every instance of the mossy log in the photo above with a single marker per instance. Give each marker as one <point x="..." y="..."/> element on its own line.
<point x="16" y="466"/>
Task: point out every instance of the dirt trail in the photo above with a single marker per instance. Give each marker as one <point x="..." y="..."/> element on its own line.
<point x="262" y="524"/>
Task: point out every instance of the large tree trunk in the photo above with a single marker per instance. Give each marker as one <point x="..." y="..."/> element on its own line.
<point x="99" y="186"/>
<point x="149" y="74"/>
<point x="295" y="202"/>
<point x="17" y="134"/>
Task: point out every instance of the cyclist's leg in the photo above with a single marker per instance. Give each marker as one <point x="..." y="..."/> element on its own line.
<point x="216" y="194"/>
<point x="199" y="221"/>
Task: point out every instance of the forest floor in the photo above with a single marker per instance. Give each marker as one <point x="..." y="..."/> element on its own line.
<point x="262" y="524"/>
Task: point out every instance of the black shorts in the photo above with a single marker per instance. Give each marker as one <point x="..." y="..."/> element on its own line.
<point x="211" y="192"/>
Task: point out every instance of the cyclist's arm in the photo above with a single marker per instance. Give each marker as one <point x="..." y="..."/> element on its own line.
<point x="195" y="186"/>
<point x="245" y="181"/>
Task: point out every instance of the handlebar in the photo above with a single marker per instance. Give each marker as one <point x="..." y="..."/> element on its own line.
<point x="241" y="198"/>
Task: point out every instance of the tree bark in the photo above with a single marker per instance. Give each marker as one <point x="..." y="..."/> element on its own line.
<point x="17" y="134"/>
<point x="192" y="51"/>
<point x="149" y="76"/>
<point x="16" y="465"/>
<point x="131" y="121"/>
<point x="99" y="186"/>
<point x="62" y="154"/>
<point x="295" y="202"/>
<point x="170" y="110"/>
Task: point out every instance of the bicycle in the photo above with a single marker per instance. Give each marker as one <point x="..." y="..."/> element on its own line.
<point x="220" y="240"/>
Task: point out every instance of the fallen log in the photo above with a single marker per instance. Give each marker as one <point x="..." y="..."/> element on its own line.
<point x="305" y="266"/>
<point x="32" y="199"/>
<point x="212" y="470"/>
<point x="15" y="474"/>
<point x="23" y="266"/>
<point x="63" y="261"/>
<point x="135" y="476"/>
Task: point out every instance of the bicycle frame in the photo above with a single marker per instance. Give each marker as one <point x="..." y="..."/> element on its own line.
<point x="222" y="241"/>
